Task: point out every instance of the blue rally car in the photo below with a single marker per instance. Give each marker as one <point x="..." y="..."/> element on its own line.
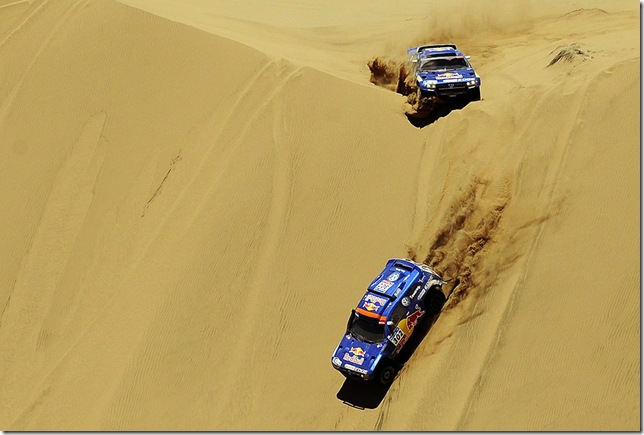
<point x="444" y="71"/>
<point x="404" y="293"/>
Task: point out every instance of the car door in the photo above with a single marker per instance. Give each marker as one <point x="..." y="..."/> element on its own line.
<point x="404" y="318"/>
<point x="398" y="336"/>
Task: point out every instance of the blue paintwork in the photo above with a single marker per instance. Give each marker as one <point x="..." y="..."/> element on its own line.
<point x="399" y="279"/>
<point x="445" y="81"/>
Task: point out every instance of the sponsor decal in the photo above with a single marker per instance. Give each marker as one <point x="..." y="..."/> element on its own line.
<point x="356" y="357"/>
<point x="438" y="48"/>
<point x="384" y="285"/>
<point x="375" y="299"/>
<point x="449" y="75"/>
<point x="428" y="284"/>
<point x="355" y="369"/>
<point x="394" y="276"/>
<point x="425" y="288"/>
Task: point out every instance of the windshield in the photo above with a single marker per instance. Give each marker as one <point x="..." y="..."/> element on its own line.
<point x="366" y="329"/>
<point x="443" y="64"/>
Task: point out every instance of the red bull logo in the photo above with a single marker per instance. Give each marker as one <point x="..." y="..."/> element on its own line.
<point x="373" y="303"/>
<point x="405" y="327"/>
<point x="356" y="357"/>
<point x="370" y="306"/>
<point x="412" y="319"/>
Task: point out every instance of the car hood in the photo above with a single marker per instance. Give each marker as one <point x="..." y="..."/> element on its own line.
<point x="448" y="76"/>
<point x="356" y="353"/>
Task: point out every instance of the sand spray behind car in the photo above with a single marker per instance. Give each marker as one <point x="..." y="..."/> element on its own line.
<point x="394" y="75"/>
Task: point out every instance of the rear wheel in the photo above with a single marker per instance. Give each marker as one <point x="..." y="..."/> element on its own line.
<point x="434" y="300"/>
<point x="385" y="373"/>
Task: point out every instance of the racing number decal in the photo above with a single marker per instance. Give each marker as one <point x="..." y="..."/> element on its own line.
<point x="397" y="336"/>
<point x="383" y="285"/>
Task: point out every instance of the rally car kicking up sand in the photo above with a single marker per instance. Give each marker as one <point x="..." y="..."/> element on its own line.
<point x="437" y="77"/>
<point x="444" y="71"/>
<point x="385" y="318"/>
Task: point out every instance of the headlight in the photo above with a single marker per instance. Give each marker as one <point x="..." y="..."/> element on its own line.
<point x="430" y="84"/>
<point x="336" y="361"/>
<point x="471" y="83"/>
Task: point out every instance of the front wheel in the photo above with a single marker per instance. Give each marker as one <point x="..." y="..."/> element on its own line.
<point x="385" y="373"/>
<point x="475" y="94"/>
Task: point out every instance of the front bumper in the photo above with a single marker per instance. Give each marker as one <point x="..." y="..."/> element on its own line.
<point x="451" y="89"/>
<point x="353" y="372"/>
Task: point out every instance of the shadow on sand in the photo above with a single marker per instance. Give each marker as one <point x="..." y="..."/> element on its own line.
<point x="434" y="111"/>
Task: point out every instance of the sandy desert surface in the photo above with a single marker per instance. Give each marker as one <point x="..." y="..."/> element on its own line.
<point x="195" y="194"/>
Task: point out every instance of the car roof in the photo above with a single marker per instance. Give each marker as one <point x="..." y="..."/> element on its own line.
<point x="374" y="305"/>
<point x="397" y="276"/>
<point x="423" y="61"/>
<point x="426" y="51"/>
<point x="394" y="277"/>
<point x="388" y="287"/>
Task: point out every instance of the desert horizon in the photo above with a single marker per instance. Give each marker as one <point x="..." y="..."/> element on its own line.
<point x="196" y="194"/>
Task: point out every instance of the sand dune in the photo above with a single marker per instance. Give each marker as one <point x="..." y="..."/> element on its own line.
<point x="195" y="195"/>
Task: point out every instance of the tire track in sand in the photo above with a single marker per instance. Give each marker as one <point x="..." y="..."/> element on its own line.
<point x="276" y="224"/>
<point x="549" y="183"/>
<point x="59" y="228"/>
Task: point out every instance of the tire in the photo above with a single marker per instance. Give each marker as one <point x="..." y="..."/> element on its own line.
<point x="475" y="95"/>
<point x="434" y="300"/>
<point x="385" y="373"/>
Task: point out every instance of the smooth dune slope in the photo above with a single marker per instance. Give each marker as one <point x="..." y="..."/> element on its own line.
<point x="194" y="196"/>
<point x="173" y="221"/>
